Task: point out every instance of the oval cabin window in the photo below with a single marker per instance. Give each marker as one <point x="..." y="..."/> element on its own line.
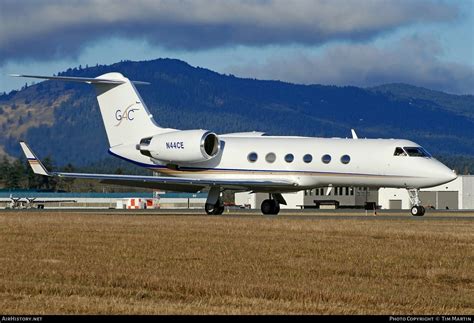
<point x="252" y="157"/>
<point x="270" y="157"/>
<point x="345" y="159"/>
<point x="326" y="159"/>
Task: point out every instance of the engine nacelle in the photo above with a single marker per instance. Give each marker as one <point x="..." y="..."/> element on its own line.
<point x="184" y="146"/>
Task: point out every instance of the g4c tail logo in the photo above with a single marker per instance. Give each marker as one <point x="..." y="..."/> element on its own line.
<point x="128" y="114"/>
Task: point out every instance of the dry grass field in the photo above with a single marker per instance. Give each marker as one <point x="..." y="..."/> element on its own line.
<point x="66" y="263"/>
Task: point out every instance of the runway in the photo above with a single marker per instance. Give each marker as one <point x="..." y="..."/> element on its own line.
<point x="185" y="262"/>
<point x="309" y="214"/>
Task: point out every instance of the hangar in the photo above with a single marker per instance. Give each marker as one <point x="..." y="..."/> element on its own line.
<point x="456" y="195"/>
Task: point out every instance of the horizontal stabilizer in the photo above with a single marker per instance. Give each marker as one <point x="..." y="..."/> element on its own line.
<point x="78" y="79"/>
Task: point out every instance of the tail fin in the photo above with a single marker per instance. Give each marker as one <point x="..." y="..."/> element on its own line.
<point x="126" y="117"/>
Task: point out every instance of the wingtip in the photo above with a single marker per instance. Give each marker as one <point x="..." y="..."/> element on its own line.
<point x="27" y="150"/>
<point x="34" y="162"/>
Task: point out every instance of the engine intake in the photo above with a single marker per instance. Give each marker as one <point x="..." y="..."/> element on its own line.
<point x="186" y="146"/>
<point x="210" y="144"/>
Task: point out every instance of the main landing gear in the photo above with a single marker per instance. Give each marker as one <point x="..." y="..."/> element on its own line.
<point x="417" y="209"/>
<point x="271" y="206"/>
<point x="214" y="204"/>
<point x="215" y="209"/>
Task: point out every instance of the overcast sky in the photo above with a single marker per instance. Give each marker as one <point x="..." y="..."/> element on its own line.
<point x="427" y="43"/>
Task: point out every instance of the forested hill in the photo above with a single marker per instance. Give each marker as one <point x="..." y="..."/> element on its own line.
<point x="62" y="119"/>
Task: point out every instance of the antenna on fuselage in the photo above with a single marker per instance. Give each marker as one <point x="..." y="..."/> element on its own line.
<point x="354" y="135"/>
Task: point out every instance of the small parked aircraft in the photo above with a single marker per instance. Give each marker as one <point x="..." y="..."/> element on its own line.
<point x="30" y="202"/>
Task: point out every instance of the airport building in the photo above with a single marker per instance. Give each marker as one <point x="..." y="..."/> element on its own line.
<point x="181" y="200"/>
<point x="341" y="197"/>
<point x="133" y="200"/>
<point x="321" y="198"/>
<point x="456" y="195"/>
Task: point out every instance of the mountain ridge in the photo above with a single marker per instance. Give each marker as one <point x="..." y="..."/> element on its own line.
<point x="62" y="119"/>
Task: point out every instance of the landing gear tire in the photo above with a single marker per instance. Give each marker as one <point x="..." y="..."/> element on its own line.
<point x="214" y="209"/>
<point x="270" y="207"/>
<point x="417" y="210"/>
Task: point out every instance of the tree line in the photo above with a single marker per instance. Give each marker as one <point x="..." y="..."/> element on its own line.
<point x="17" y="175"/>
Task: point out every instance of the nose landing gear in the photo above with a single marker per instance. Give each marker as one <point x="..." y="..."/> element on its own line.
<point x="417" y="209"/>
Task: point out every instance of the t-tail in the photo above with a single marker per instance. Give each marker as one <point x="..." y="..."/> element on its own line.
<point x="126" y="118"/>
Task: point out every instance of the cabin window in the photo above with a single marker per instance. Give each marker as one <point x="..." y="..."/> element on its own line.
<point x="416" y="152"/>
<point x="326" y="159"/>
<point x="399" y="152"/>
<point x="270" y="157"/>
<point x="252" y="157"/>
<point x="345" y="159"/>
<point x="289" y="158"/>
<point x="307" y="158"/>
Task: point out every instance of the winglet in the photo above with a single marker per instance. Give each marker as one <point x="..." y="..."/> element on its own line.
<point x="34" y="162"/>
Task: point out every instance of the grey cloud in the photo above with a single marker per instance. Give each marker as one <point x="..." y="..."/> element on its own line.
<point x="50" y="29"/>
<point x="412" y="60"/>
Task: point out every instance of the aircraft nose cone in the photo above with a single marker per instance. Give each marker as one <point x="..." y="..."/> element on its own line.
<point x="448" y="175"/>
<point x="441" y="174"/>
<point x="452" y="175"/>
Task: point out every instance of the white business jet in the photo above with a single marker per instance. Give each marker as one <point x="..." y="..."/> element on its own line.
<point x="196" y="160"/>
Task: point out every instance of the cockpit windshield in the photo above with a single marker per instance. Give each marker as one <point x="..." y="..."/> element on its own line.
<point x="416" y="152"/>
<point x="411" y="151"/>
<point x="399" y="152"/>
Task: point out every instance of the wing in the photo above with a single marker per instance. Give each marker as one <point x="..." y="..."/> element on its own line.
<point x="178" y="184"/>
